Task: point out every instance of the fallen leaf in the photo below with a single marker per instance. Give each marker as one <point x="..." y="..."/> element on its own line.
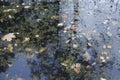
<point x="105" y="22"/>
<point x="54" y="17"/>
<point x="60" y="24"/>
<point x="42" y="49"/>
<point x="73" y="66"/>
<point x="75" y="45"/>
<point x="107" y="57"/>
<point x="64" y="64"/>
<point x="89" y="44"/>
<point x="86" y="56"/>
<point x="67" y="41"/>
<point x="26" y="7"/>
<point x="28" y="49"/>
<point x="8" y="37"/>
<point x="73" y="27"/>
<point x="77" y="69"/>
<point x="10" y="47"/>
<point x="79" y="30"/>
<point x="103" y="79"/>
<point x="109" y="46"/>
<point x="104" y="46"/>
<point x="77" y="65"/>
<point x="102" y="58"/>
<point x="109" y="34"/>
<point x="0" y="49"/>
<point x="26" y="39"/>
<point x="37" y="36"/>
<point x="104" y="53"/>
<point x="9" y="65"/>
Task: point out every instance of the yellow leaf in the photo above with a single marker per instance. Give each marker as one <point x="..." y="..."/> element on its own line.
<point x="104" y="52"/>
<point x="103" y="79"/>
<point x="45" y="9"/>
<point x="28" y="49"/>
<point x="42" y="49"/>
<point x="0" y="49"/>
<point x="77" y="65"/>
<point x="64" y="64"/>
<point x="54" y="17"/>
<point x="109" y="46"/>
<point x="10" y="47"/>
<point x="77" y="70"/>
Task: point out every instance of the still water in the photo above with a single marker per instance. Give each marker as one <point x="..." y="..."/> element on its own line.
<point x="98" y="21"/>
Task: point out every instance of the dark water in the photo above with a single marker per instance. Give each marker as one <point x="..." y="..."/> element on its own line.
<point x="99" y="22"/>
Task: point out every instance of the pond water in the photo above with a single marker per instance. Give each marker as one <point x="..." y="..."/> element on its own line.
<point x="97" y="20"/>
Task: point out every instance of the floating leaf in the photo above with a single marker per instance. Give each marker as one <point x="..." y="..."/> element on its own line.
<point x="109" y="34"/>
<point x="54" y="17"/>
<point x="10" y="47"/>
<point x="64" y="64"/>
<point x="73" y="27"/>
<point x="8" y="37"/>
<point x="103" y="79"/>
<point x="86" y="56"/>
<point x="28" y="49"/>
<point x="26" y="7"/>
<point x="26" y="39"/>
<point x="89" y="44"/>
<point x="42" y="49"/>
<point x="60" y="24"/>
<point x="105" y="22"/>
<point x="104" y="52"/>
<point x="77" y="69"/>
<point x="37" y="36"/>
<point x="109" y="46"/>
<point x="75" y="45"/>
<point x="102" y="58"/>
<point x="73" y="66"/>
<point x="77" y="65"/>
<point x="67" y="41"/>
<point x="10" y="65"/>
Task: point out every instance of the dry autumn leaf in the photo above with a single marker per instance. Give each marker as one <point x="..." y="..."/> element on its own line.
<point x="42" y="49"/>
<point x="8" y="37"/>
<point x="10" y="47"/>
<point x="54" y="17"/>
<point x="77" y="69"/>
<point x="104" y="53"/>
<point x="64" y="64"/>
<point x="109" y="46"/>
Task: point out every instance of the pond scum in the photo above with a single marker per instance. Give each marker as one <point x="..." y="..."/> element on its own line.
<point x="36" y="29"/>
